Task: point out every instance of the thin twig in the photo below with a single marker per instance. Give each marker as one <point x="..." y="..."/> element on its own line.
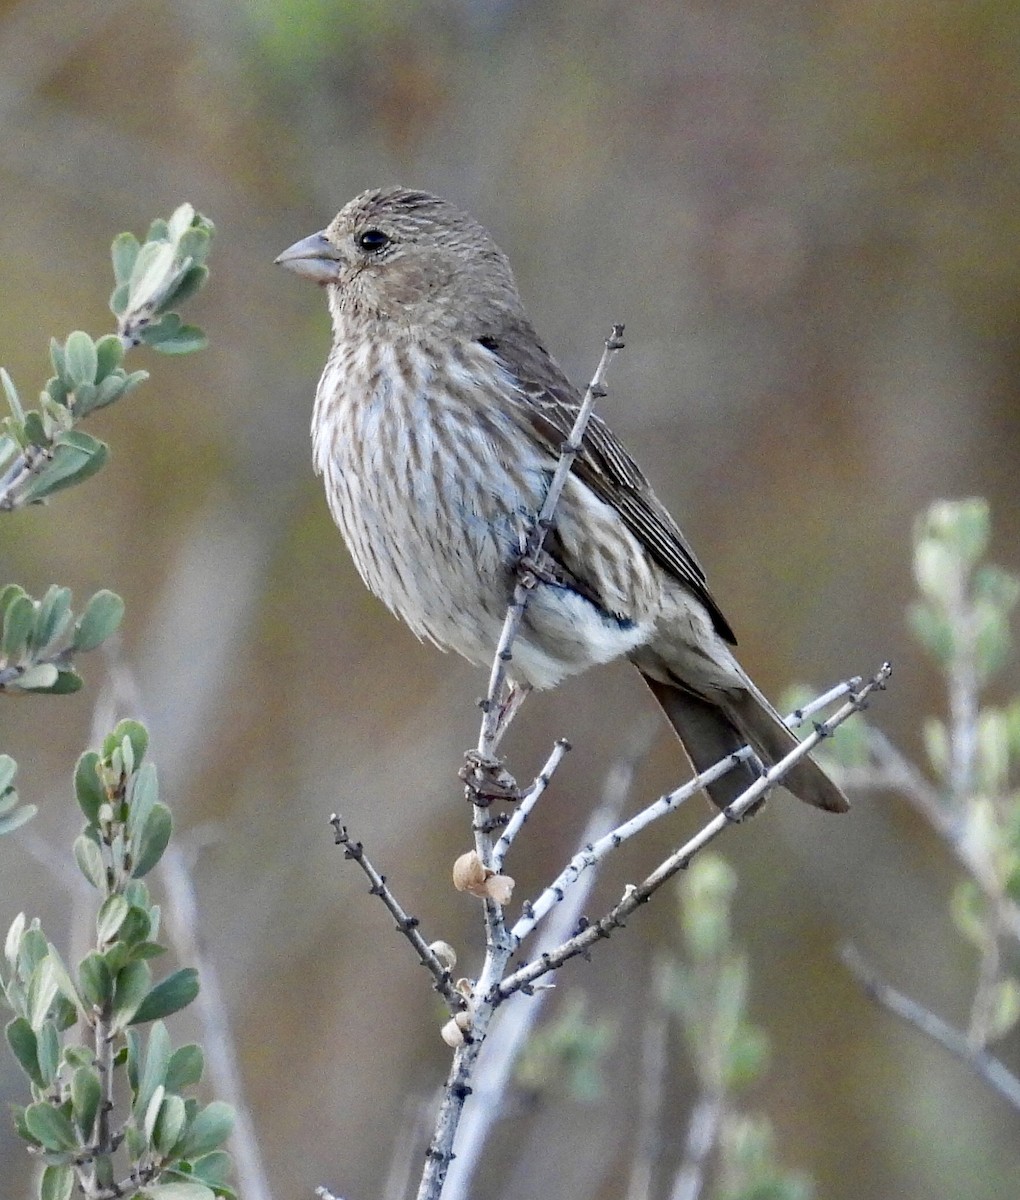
<point x="648" y="1137"/>
<point x="510" y="1035"/>
<point x="635" y="896"/>
<point x="406" y="924"/>
<point x="594" y="852"/>
<point x="491" y="707"/>
<point x="956" y="1042"/>
<point x="702" y="1135"/>
<point x="527" y="802"/>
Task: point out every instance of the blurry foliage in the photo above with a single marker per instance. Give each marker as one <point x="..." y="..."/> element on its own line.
<point x="76" y="1121"/>
<point x="567" y="1054"/>
<point x="44" y="453"/>
<point x="41" y="448"/>
<point x="962" y="618"/>
<point x="706" y="990"/>
<point x="163" y="1145"/>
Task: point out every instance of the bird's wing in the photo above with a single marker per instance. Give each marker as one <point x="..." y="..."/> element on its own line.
<point x="549" y="404"/>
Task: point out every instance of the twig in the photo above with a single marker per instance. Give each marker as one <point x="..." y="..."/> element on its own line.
<point x="957" y="1043"/>
<point x="498" y="947"/>
<point x="594" y="852"/>
<point x="491" y="706"/>
<point x="527" y="802"/>
<point x="508" y="1039"/>
<point x="702" y="1135"/>
<point x="406" y="924"/>
<point x="634" y="896"/>
<point x="648" y="1138"/>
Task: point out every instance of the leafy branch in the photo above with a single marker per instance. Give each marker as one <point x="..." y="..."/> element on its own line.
<point x="41" y="449"/>
<point x="162" y="1144"/>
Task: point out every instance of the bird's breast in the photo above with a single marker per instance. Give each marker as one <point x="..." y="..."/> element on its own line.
<point x="426" y="477"/>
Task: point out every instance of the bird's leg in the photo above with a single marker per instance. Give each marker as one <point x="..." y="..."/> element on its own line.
<point x="516" y="694"/>
<point x="485" y="777"/>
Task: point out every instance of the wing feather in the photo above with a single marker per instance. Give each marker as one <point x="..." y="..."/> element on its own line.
<point x="549" y="404"/>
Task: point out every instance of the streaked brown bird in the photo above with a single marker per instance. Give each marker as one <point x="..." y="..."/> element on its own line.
<point x="437" y="425"/>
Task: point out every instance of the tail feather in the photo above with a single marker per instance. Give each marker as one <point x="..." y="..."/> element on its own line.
<point x="709" y="732"/>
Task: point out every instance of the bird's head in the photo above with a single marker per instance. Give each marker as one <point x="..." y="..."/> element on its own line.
<point x="393" y="254"/>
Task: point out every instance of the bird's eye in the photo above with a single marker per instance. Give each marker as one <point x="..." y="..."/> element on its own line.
<point x="372" y="240"/>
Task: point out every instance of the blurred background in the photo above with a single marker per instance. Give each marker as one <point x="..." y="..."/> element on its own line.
<point x="808" y="215"/>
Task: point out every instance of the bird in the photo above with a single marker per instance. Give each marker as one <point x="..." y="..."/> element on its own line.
<point x="437" y="425"/>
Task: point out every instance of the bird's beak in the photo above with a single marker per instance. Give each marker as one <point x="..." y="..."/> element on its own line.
<point x="315" y="257"/>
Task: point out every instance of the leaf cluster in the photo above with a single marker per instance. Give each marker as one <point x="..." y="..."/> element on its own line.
<point x="38" y="638"/>
<point x="706" y="989"/>
<point x="41" y="449"/>
<point x="963" y="619"/>
<point x="166" y="1145"/>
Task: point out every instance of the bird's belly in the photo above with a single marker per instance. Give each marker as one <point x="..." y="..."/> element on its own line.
<point x="434" y="511"/>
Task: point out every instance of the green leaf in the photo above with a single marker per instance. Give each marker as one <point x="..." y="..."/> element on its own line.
<point x="169" y="996"/>
<point x="56" y="1183"/>
<point x="124" y="253"/>
<point x="158" y="331"/>
<point x="153" y="1073"/>
<point x="17" y="818"/>
<point x="110" y="918"/>
<point x="169" y="1123"/>
<point x="159" y="231"/>
<point x="90" y="861"/>
<point x="50" y="1127"/>
<point x="1005" y="1008"/>
<point x="8" y="769"/>
<point x="48" y="1052"/>
<point x="32" y="950"/>
<point x="75" y="457"/>
<point x="150" y="275"/>
<point x="42" y="991"/>
<point x="65" y="984"/>
<point x="88" y="789"/>
<point x="19" y="621"/>
<point x="57" y="391"/>
<point x="35" y="430"/>
<point x="214" y="1169"/>
<point x="143" y="792"/>
<point x="95" y="980"/>
<point x="102" y="616"/>
<point x="133" y="983"/>
<point x="189" y="283"/>
<point x="153" y="839"/>
<point x="181" y="220"/>
<point x="23" y="1042"/>
<point x="81" y="359"/>
<point x="8" y="447"/>
<point x="119" y="299"/>
<point x="109" y="355"/>
<point x="39" y="678"/>
<point x="12" y="943"/>
<point x="86" y="1094"/>
<point x="137" y="735"/>
<point x="52" y="617"/>
<point x="187" y="340"/>
<point x="178" y="1191"/>
<point x="208" y="1131"/>
<point x="185" y="1068"/>
<point x="13" y="400"/>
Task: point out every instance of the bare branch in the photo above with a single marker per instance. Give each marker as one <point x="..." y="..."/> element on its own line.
<point x="406" y="924"/>
<point x="956" y="1042"/>
<point x="525" y="976"/>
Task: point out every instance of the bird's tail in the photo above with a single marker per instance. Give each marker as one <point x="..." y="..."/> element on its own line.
<point x="709" y="732"/>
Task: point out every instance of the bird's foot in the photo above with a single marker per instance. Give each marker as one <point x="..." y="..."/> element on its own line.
<point x="486" y="780"/>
